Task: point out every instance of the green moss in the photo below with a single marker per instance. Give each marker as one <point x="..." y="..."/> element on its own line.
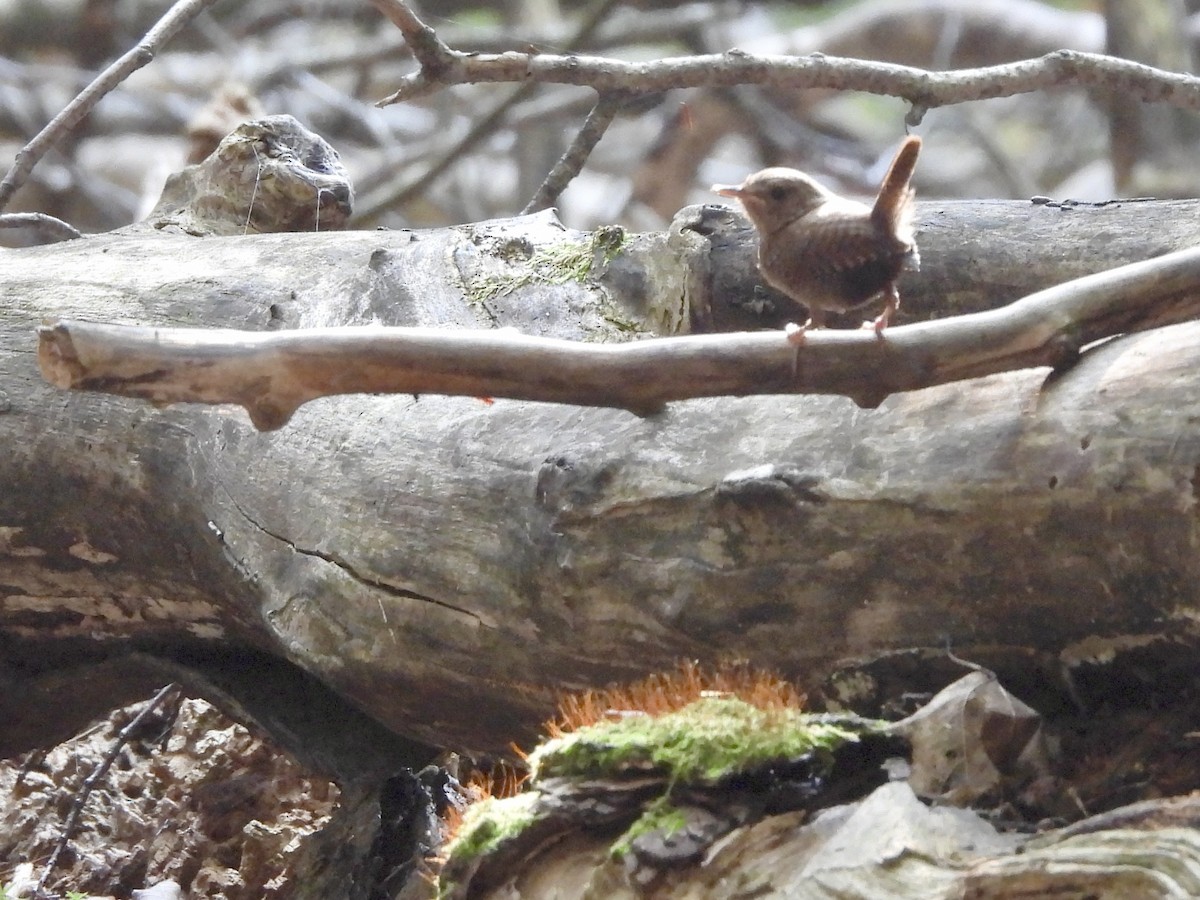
<point x="489" y="823"/>
<point x="661" y="815"/>
<point x="620" y="322"/>
<point x="703" y="742"/>
<point x="558" y="263"/>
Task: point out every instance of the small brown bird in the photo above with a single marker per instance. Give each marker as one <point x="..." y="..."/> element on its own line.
<point x="825" y="251"/>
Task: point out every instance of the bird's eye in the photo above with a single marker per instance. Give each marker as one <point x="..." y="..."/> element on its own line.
<point x="777" y="193"/>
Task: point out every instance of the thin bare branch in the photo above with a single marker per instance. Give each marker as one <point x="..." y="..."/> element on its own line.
<point x="75" y="111"/>
<point x="395" y="195"/>
<point x="93" y="779"/>
<point x="576" y="155"/>
<point x="272" y="374"/>
<point x="923" y="89"/>
<point x="433" y="55"/>
<point x="620" y="29"/>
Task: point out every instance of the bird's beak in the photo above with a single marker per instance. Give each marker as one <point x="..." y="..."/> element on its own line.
<point x="727" y="190"/>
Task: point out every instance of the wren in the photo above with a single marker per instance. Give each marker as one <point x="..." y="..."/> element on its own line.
<point x="828" y="252"/>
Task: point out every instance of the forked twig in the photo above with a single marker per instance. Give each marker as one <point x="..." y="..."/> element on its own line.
<point x="397" y="11"/>
<point x="428" y="49"/>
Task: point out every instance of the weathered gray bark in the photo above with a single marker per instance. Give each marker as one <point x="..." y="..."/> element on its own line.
<point x="449" y="566"/>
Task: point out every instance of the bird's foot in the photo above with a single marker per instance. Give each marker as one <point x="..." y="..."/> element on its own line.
<point x="796" y="337"/>
<point x="795" y="333"/>
<point x="891" y="304"/>
<point x="877" y="324"/>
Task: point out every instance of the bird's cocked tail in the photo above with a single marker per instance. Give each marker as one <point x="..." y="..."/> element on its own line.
<point x="893" y="205"/>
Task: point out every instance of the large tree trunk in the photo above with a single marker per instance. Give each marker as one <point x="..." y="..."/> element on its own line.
<point x="449" y="565"/>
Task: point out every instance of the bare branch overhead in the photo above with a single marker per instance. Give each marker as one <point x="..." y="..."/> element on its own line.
<point x="922" y="88"/>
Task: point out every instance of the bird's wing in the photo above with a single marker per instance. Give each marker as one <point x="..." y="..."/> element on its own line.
<point x="838" y="243"/>
<point x="836" y="262"/>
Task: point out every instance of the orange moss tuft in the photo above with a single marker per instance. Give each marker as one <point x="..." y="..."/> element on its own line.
<point x="501" y="782"/>
<point x="505" y="781"/>
<point x="667" y="692"/>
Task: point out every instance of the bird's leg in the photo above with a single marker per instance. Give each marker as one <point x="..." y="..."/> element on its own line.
<point x="891" y="303"/>
<point x="796" y="334"/>
<point x="795" y="337"/>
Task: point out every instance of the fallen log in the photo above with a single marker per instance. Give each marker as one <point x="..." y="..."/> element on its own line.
<point x="449" y="565"/>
